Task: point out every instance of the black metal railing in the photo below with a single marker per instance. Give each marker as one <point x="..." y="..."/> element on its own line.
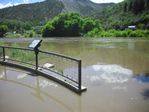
<point x="63" y="68"/>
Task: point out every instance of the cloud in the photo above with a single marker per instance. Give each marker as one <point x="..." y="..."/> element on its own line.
<point x="26" y="1"/>
<point x="8" y="5"/>
<point x="5" y="5"/>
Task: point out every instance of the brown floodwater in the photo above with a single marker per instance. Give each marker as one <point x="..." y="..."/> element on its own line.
<point x="115" y="72"/>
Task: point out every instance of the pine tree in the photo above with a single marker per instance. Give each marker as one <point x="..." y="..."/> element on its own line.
<point x="125" y="7"/>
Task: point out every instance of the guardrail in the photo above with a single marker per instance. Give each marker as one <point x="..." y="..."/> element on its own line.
<point x="63" y="69"/>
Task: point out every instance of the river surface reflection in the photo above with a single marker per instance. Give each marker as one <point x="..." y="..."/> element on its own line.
<point x="114" y="71"/>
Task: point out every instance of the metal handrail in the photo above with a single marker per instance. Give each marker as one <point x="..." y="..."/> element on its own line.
<point x="78" y="61"/>
<point x="11" y="47"/>
<point x="61" y="55"/>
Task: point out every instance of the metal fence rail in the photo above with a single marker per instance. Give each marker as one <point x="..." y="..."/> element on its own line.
<point x="65" y="69"/>
<point x="17" y="55"/>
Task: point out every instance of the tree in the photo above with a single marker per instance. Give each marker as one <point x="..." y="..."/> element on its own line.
<point x="125" y="7"/>
<point x="88" y="25"/>
<point x="136" y="6"/>
<point x="130" y="5"/>
<point x="147" y="4"/>
<point x="48" y="30"/>
<point x="16" y="25"/>
<point x="68" y="25"/>
<point x="3" y="30"/>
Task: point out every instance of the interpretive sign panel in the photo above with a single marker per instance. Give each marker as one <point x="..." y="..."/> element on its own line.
<point x="35" y="44"/>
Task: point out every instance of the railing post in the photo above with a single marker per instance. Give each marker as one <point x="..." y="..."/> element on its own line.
<point x="3" y="53"/>
<point x="79" y="74"/>
<point x="36" y="59"/>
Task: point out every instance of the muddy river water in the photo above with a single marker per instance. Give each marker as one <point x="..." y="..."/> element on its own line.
<point x="115" y="72"/>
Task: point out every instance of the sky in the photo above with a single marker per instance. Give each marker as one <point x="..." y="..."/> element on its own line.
<point x="7" y="3"/>
<point x="107" y="1"/>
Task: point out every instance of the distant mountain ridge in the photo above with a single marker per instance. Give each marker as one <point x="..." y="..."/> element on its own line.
<point x="50" y="8"/>
<point x="84" y="7"/>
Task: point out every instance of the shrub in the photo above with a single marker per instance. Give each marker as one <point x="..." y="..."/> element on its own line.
<point x="137" y="33"/>
<point x="30" y="33"/>
<point x="3" y="30"/>
<point x="117" y="33"/>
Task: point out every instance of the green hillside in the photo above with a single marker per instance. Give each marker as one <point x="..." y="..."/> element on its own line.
<point x="33" y="12"/>
<point x="50" y="8"/>
<point x="121" y="15"/>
